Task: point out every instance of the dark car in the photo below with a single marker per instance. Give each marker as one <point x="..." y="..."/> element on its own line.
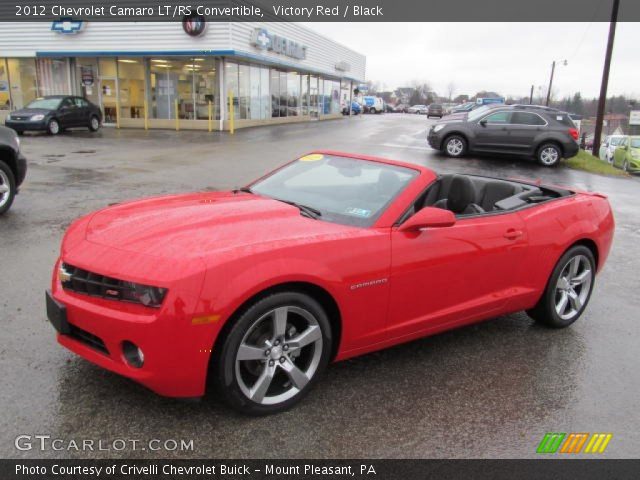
<point x="543" y="133"/>
<point x="13" y="167"/>
<point x="54" y="114"/>
<point x="435" y="110"/>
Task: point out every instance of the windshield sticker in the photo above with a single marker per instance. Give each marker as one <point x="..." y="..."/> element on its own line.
<point x="314" y="157"/>
<point x="358" y="212"/>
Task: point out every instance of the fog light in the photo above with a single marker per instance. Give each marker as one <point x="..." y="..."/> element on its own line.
<point x="132" y="354"/>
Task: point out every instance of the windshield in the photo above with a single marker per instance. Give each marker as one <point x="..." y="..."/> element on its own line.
<point x="46" y="103"/>
<point x="635" y="142"/>
<point x="615" y="141"/>
<point x="478" y="112"/>
<point x="343" y="190"/>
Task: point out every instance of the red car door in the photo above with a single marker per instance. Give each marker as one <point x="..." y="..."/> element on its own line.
<point x="451" y="275"/>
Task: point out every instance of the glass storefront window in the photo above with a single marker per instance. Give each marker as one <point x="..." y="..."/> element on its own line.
<point x="275" y="93"/>
<point x="293" y="94"/>
<point x="231" y="87"/>
<point x="108" y="91"/>
<point x="265" y="96"/>
<point x="255" y="93"/>
<point x="304" y="94"/>
<point x="284" y="97"/>
<point x="244" y="92"/>
<point x="87" y="78"/>
<point x="53" y="76"/>
<point x="205" y="87"/>
<point x="22" y="81"/>
<point x="5" y="97"/>
<point x="131" y="87"/>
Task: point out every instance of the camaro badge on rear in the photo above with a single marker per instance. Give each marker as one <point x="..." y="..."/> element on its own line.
<point x="372" y="283"/>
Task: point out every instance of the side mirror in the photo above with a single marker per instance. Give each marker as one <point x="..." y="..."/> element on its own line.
<point x="483" y="122"/>
<point x="429" y="217"/>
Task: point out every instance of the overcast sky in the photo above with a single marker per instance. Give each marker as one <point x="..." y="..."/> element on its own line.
<point x="504" y="57"/>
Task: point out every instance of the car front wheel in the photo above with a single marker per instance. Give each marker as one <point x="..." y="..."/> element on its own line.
<point x="53" y="127"/>
<point x="568" y="290"/>
<point x="455" y="146"/>
<point x="273" y="354"/>
<point x="7" y="187"/>
<point x="549" y="155"/>
<point x="94" y="124"/>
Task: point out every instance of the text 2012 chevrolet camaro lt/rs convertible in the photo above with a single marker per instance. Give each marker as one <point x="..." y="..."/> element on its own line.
<point x="330" y="256"/>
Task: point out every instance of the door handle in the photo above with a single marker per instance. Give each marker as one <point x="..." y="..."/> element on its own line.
<point x="512" y="234"/>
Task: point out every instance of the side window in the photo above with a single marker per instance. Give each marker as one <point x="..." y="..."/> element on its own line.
<point x="526" y="118"/>
<point x="80" y="102"/>
<point x="66" y="103"/>
<point x="498" y="118"/>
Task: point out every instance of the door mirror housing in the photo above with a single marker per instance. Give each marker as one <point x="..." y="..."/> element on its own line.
<point x="429" y="217"/>
<point x="483" y="122"/>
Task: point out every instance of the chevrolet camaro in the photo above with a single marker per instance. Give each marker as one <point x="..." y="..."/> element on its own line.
<point x="254" y="291"/>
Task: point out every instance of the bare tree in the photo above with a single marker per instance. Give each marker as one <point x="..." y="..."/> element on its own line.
<point x="451" y="88"/>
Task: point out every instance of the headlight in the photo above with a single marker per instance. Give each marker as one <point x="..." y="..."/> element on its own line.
<point x="144" y="294"/>
<point x="437" y="128"/>
<point x="35" y="118"/>
<point x="635" y="154"/>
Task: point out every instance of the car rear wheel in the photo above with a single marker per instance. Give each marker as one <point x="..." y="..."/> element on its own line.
<point x="53" y="127"/>
<point x="455" y="146"/>
<point x="273" y="354"/>
<point x="549" y="155"/>
<point x="94" y="124"/>
<point x="568" y="290"/>
<point x="7" y="187"/>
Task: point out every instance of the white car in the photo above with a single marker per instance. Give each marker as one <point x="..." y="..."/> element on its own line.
<point x="609" y="146"/>
<point x="421" y="109"/>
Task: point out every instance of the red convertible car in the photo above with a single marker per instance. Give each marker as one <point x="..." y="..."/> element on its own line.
<point x="331" y="256"/>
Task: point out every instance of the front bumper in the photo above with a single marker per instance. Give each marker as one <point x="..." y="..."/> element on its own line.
<point x="176" y="352"/>
<point x="434" y="139"/>
<point x="570" y="149"/>
<point x="25" y="125"/>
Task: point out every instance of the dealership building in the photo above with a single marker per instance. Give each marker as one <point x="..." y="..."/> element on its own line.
<point x="189" y="75"/>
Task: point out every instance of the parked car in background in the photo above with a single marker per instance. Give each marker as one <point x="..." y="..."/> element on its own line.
<point x="419" y="109"/>
<point x="13" y="167"/>
<point x="356" y="109"/>
<point x="388" y="108"/>
<point x="435" y="110"/>
<point x="609" y="146"/>
<point x="401" y="108"/>
<point x="545" y="134"/>
<point x="465" y="107"/>
<point x="372" y="104"/>
<point x="54" y="114"/>
<point x="627" y="154"/>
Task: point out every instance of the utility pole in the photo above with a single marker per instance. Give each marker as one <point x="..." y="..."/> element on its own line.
<point x="605" y="78"/>
<point x="531" y="96"/>
<point x="553" y="69"/>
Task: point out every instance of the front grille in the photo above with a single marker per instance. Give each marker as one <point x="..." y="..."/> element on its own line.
<point x="19" y="118"/>
<point x="87" y="338"/>
<point x="89" y="283"/>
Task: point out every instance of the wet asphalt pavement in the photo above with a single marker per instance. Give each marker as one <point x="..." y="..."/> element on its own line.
<point x="490" y="390"/>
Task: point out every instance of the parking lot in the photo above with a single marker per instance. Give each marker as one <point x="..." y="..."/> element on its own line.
<point x="490" y="390"/>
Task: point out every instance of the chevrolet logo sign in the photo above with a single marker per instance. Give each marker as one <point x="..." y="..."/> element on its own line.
<point x="66" y="25"/>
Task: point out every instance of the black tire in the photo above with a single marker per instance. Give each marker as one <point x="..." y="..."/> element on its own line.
<point x="549" y="155"/>
<point x="457" y="140"/>
<point x="94" y="123"/>
<point x="54" y="127"/>
<point x="7" y="179"/>
<point x="545" y="311"/>
<point x="225" y="373"/>
<point x="20" y="132"/>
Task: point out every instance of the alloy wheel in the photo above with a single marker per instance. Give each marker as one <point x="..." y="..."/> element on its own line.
<point x="454" y="147"/>
<point x="5" y="189"/>
<point x="573" y="286"/>
<point x="549" y="156"/>
<point x="95" y="123"/>
<point x="278" y="355"/>
<point x="54" y="127"/>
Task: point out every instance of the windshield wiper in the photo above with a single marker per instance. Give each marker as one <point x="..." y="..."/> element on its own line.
<point x="242" y="189"/>
<point x="304" y="209"/>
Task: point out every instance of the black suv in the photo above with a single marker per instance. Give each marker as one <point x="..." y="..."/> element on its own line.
<point x="13" y="167"/>
<point x="544" y="133"/>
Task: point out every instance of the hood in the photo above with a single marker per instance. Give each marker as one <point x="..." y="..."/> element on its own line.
<point x="203" y="223"/>
<point x="27" y="112"/>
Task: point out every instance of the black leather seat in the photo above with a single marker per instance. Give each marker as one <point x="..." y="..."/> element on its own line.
<point x="495" y="191"/>
<point x="461" y="197"/>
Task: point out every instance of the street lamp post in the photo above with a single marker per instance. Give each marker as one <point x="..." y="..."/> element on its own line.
<point x="553" y="69"/>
